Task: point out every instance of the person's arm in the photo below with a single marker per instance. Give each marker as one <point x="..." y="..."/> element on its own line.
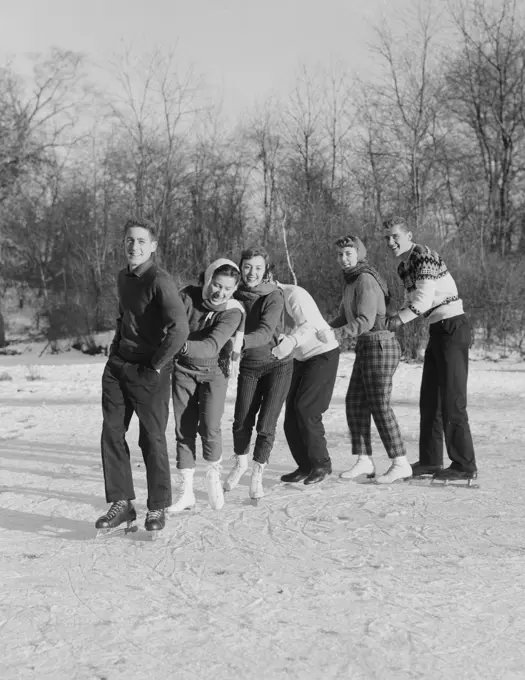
<point x="298" y="304"/>
<point x="175" y="320"/>
<point x="340" y="320"/>
<point x="419" y="301"/>
<point x="113" y="348"/>
<point x="219" y="334"/>
<point x="366" y="295"/>
<point x="271" y="312"/>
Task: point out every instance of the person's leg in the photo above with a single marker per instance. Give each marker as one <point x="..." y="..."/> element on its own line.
<point x="359" y="419"/>
<point x="292" y="428"/>
<point x="185" y="394"/>
<point x="431" y="426"/>
<point x="452" y="350"/>
<point x="247" y="405"/>
<point x="212" y="398"/>
<point x="274" y="385"/>
<point x="117" y="410"/>
<point x="382" y="360"/>
<point x="211" y="402"/>
<point x="358" y="415"/>
<point x="150" y="394"/>
<point x="312" y="400"/>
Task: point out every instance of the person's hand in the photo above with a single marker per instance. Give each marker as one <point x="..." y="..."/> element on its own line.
<point x="393" y="323"/>
<point x="324" y="335"/>
<point x="158" y="370"/>
<point x="285" y="347"/>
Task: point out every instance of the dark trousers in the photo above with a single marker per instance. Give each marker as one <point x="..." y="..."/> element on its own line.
<point x="260" y="390"/>
<point x="376" y="358"/>
<point x="443" y="397"/>
<point x="309" y="397"/>
<point x="198" y="406"/>
<point x="126" y="389"/>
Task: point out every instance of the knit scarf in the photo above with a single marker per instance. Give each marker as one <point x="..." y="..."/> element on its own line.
<point x="246" y="293"/>
<point x="362" y="267"/>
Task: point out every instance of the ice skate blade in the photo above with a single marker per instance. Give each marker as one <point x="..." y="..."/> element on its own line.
<point x="130" y="528"/>
<point x="255" y="501"/>
<point x="466" y="483"/>
<point x="395" y="481"/>
<point x="174" y="513"/>
<point x="364" y="477"/>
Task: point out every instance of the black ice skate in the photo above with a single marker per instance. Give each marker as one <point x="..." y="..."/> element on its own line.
<point x="421" y="470"/>
<point x="118" y="513"/>
<point x="456" y="477"/>
<point x="155" y="522"/>
<point x="422" y="474"/>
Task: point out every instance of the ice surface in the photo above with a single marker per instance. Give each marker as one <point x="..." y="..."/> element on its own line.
<point x="340" y="580"/>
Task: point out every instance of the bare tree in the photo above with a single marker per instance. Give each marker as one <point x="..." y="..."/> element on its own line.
<point x="486" y="94"/>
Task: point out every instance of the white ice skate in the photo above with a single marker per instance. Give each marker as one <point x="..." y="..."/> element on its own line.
<point x="256" y="485"/>
<point x="364" y="466"/>
<point x="240" y="467"/>
<point x="187" y="499"/>
<point x="213" y="485"/>
<point x="400" y="469"/>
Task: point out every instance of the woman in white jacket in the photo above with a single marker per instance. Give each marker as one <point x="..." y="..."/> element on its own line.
<point x="313" y="380"/>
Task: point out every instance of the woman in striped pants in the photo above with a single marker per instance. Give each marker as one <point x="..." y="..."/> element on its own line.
<point x="363" y="311"/>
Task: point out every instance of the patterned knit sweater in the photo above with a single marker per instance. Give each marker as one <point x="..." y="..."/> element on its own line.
<point x="430" y="290"/>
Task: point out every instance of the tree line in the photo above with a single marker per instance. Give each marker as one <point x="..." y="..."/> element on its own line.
<point x="436" y="133"/>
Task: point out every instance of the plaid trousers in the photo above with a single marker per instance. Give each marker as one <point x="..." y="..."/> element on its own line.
<point x="369" y="391"/>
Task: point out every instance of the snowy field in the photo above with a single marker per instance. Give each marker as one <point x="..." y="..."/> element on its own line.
<point x="342" y="580"/>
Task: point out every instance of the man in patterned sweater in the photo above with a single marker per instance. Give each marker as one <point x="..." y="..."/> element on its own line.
<point x="431" y="292"/>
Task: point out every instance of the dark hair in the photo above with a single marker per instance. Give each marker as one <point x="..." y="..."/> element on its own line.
<point x="396" y="221"/>
<point x="258" y="251"/>
<point x="346" y="242"/>
<point x="254" y="251"/>
<point x="141" y="222"/>
<point x="227" y="270"/>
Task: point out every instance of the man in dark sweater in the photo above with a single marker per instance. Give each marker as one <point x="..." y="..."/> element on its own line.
<point x="152" y="327"/>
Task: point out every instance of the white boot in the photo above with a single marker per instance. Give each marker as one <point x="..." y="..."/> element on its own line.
<point x="187" y="499"/>
<point x="213" y="485"/>
<point x="256" y="485"/>
<point x="240" y="467"/>
<point x="364" y="466"/>
<point x="400" y="469"/>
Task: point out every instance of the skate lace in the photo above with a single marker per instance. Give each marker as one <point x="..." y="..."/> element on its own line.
<point x="214" y="467"/>
<point x="257" y="471"/>
<point x="115" y="508"/>
<point x="154" y="514"/>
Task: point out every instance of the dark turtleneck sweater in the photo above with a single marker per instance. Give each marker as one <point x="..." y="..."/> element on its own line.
<point x="152" y="325"/>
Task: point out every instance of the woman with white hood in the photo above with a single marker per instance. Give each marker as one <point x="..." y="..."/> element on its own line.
<point x="200" y="376"/>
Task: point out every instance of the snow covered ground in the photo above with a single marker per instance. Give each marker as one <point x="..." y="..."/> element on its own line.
<point x="342" y="580"/>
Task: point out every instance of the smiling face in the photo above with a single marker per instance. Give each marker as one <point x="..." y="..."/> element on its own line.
<point x="347" y="257"/>
<point x="398" y="240"/>
<point x="253" y="270"/>
<point x="222" y="287"/>
<point x="139" y="245"/>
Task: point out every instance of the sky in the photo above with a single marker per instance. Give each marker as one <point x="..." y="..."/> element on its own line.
<point x="243" y="49"/>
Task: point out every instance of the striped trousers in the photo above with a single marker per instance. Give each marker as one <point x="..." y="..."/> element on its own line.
<point x="369" y="392"/>
<point x="261" y="391"/>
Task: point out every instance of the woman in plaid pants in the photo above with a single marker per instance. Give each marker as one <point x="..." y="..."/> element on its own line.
<point x="363" y="312"/>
